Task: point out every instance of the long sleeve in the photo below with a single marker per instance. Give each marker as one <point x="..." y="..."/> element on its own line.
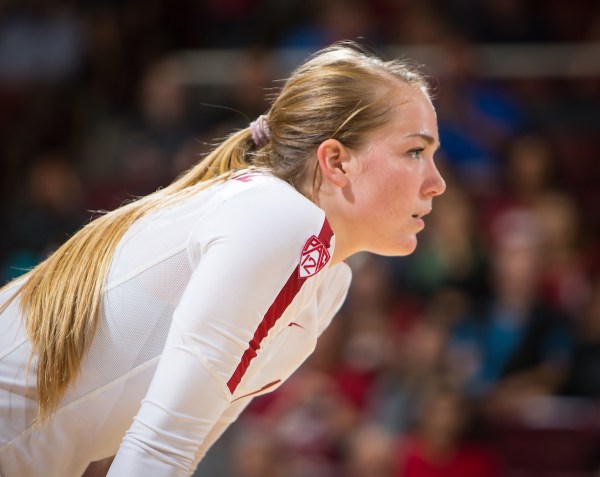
<point x="227" y="418"/>
<point x="246" y="254"/>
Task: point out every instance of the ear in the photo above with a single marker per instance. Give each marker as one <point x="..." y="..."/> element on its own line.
<point x="333" y="158"/>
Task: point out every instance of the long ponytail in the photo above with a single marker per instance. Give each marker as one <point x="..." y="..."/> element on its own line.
<point x="61" y="297"/>
<point x="341" y="92"/>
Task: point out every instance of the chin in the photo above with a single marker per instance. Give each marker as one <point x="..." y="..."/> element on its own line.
<point x="407" y="251"/>
<point x="398" y="249"/>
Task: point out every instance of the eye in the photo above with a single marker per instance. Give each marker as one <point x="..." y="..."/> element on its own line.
<point x="416" y="153"/>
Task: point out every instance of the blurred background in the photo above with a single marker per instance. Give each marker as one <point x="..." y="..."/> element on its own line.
<point x="479" y="355"/>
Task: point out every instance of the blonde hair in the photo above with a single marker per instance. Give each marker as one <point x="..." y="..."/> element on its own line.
<point x="340" y="92"/>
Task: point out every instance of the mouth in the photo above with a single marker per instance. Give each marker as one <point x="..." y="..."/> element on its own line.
<point x="421" y="215"/>
<point x="418" y="218"/>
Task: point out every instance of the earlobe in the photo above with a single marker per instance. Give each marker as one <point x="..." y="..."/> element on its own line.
<point x="333" y="157"/>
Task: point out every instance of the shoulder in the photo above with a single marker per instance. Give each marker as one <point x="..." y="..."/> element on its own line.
<point x="266" y="190"/>
<point x="260" y="201"/>
<point x="261" y="215"/>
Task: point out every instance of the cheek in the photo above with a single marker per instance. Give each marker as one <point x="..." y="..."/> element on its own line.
<point x="384" y="196"/>
<point x="398" y="191"/>
<point x="387" y="192"/>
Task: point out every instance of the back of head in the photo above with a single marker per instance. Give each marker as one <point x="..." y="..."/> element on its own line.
<point x="341" y="92"/>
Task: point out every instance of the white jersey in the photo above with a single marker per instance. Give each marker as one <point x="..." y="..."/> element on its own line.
<point x="208" y="303"/>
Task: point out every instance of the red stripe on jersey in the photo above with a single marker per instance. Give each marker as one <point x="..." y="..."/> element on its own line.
<point x="282" y="301"/>
<point x="266" y="386"/>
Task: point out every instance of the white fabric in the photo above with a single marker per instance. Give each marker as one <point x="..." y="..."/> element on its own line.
<point x="187" y="289"/>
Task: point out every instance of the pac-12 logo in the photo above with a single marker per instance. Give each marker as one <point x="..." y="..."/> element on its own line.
<point x="313" y="258"/>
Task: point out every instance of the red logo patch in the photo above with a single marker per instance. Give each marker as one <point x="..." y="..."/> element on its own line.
<point x="313" y="258"/>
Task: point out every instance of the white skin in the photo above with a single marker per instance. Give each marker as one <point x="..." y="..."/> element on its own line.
<point x="375" y="196"/>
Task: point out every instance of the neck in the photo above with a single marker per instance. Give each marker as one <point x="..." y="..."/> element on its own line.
<point x="343" y="247"/>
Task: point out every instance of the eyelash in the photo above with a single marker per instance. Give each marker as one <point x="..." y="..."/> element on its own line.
<point x="416" y="153"/>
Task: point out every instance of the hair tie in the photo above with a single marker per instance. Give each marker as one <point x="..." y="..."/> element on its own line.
<point x="261" y="132"/>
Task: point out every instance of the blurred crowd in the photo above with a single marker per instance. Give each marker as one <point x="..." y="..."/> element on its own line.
<point x="478" y="355"/>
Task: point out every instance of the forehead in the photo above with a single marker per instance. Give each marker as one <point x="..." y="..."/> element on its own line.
<point x="411" y="116"/>
<point x="412" y="113"/>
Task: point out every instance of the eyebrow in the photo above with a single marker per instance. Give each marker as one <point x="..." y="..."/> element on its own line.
<point x="426" y="137"/>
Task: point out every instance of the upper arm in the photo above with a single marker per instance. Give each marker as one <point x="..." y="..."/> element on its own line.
<point x="247" y="273"/>
<point x="246" y="254"/>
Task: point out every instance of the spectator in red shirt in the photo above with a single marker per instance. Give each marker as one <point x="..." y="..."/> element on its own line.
<point x="439" y="447"/>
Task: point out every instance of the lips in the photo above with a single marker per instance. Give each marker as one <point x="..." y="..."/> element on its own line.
<point x="421" y="215"/>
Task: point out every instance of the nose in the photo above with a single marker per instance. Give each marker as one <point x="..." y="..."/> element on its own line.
<point x="434" y="183"/>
